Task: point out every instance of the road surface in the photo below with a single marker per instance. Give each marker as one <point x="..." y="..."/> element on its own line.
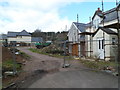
<point x="77" y="76"/>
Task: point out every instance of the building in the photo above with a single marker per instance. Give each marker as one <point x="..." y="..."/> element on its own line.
<point x="97" y="39"/>
<point x="104" y="34"/>
<point x="77" y="45"/>
<point x="19" y="37"/>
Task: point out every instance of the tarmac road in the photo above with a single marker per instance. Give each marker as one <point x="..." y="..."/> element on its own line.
<point x="77" y="79"/>
<point x="75" y="76"/>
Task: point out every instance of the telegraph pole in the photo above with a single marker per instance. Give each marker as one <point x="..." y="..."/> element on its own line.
<point x="14" y="62"/>
<point x="90" y="36"/>
<point x="103" y="31"/>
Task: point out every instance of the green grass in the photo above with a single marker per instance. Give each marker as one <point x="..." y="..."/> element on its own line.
<point x="8" y="64"/>
<point x="98" y="64"/>
<point x="37" y="51"/>
<point x="24" y="55"/>
<point x="50" y="54"/>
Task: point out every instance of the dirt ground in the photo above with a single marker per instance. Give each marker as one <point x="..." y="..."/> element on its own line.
<point x="7" y="55"/>
<point x="42" y="63"/>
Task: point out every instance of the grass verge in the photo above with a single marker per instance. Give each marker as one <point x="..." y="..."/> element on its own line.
<point x="99" y="65"/>
<point x="50" y="54"/>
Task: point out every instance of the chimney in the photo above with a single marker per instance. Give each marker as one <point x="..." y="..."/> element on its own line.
<point x="99" y="9"/>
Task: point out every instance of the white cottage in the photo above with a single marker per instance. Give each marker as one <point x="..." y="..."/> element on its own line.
<point x="104" y="34"/>
<point x="105" y="45"/>
<point x="77" y="45"/>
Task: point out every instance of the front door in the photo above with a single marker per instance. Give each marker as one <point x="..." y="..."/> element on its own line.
<point x="101" y="48"/>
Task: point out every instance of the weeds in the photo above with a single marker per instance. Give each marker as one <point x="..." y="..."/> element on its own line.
<point x="8" y="65"/>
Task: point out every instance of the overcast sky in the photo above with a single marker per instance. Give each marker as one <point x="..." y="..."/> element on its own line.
<point x="47" y="15"/>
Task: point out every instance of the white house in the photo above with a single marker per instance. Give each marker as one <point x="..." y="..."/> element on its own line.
<point x="105" y="44"/>
<point x="104" y="34"/>
<point x="77" y="45"/>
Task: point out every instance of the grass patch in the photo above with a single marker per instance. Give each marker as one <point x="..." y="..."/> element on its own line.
<point x="100" y="65"/>
<point x="24" y="55"/>
<point x="9" y="64"/>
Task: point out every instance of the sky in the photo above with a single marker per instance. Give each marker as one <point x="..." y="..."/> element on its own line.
<point x="47" y="15"/>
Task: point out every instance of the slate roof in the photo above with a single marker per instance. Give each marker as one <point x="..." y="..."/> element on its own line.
<point x="14" y="34"/>
<point x="37" y="39"/>
<point x="110" y="15"/>
<point x="81" y="26"/>
<point x="3" y="36"/>
<point x="23" y="33"/>
<point x="106" y="30"/>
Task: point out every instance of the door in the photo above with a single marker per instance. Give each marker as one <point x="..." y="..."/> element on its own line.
<point x="75" y="49"/>
<point x="101" y="48"/>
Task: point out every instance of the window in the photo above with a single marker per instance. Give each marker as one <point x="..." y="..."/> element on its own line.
<point x="99" y="44"/>
<point x="113" y="41"/>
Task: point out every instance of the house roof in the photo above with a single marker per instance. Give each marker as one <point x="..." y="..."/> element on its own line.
<point x="106" y="30"/>
<point x="98" y="12"/>
<point x="37" y="39"/>
<point x="111" y="14"/>
<point x="86" y="33"/>
<point x="81" y="26"/>
<point x="14" y="34"/>
<point x="108" y="15"/>
<point x="3" y="36"/>
<point x="23" y="33"/>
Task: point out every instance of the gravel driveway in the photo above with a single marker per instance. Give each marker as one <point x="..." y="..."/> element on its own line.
<point x="41" y="62"/>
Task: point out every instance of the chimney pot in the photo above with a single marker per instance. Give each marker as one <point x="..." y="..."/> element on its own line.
<point x="98" y="9"/>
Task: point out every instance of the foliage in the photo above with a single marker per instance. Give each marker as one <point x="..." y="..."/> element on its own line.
<point x="52" y="49"/>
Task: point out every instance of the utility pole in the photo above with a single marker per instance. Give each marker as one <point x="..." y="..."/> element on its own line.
<point x="103" y="31"/>
<point x="116" y="2"/>
<point x="14" y="58"/>
<point x="90" y="35"/>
